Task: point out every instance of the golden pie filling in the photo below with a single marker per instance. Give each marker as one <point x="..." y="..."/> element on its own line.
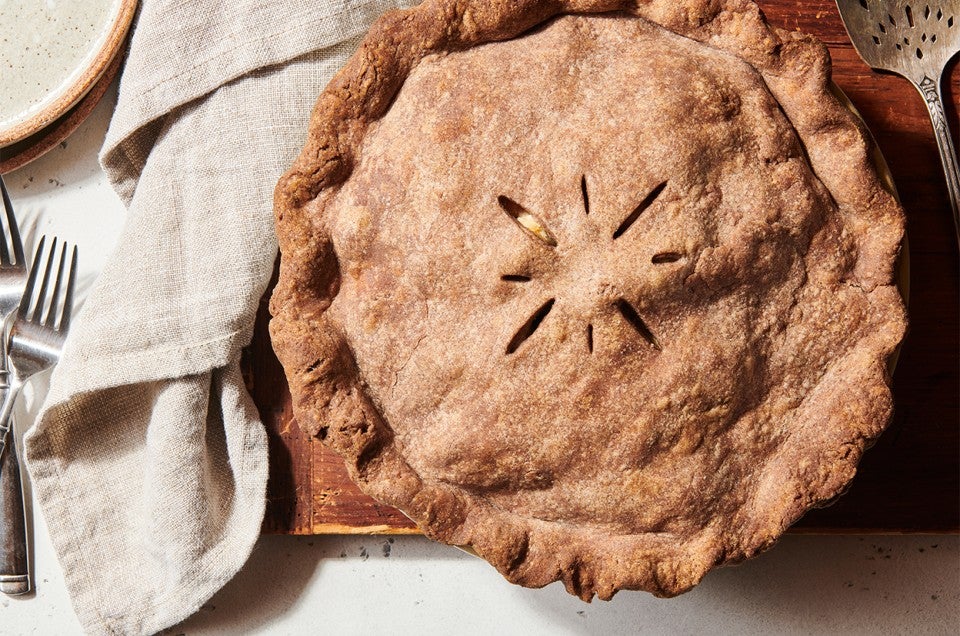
<point x="584" y="298"/>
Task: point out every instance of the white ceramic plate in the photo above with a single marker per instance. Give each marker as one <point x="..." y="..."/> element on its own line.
<point x="52" y="52"/>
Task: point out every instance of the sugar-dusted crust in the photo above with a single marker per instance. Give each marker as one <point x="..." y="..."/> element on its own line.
<point x="608" y="296"/>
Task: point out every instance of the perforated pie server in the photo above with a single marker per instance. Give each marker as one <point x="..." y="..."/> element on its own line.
<point x="914" y="40"/>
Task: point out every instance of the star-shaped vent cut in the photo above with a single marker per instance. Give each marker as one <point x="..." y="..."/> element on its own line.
<point x="537" y="230"/>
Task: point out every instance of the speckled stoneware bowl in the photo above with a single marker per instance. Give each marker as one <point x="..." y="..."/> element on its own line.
<point x="52" y="52"/>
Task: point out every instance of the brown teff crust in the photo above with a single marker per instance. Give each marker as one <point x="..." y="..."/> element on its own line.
<point x="678" y="352"/>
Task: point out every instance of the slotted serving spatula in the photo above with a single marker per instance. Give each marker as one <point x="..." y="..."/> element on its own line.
<point x="915" y="40"/>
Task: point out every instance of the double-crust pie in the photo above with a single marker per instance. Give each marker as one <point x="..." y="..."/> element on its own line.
<point x="602" y="289"/>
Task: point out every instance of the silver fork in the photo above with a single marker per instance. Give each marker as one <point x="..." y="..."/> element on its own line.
<point x="34" y="345"/>
<point x="14" y="564"/>
<point x="13" y="267"/>
<point x="37" y="336"/>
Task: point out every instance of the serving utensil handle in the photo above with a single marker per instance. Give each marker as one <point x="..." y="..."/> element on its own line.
<point x="948" y="155"/>
<point x="14" y="564"/>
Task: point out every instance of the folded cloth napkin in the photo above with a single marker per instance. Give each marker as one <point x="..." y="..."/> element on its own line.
<point x="148" y="458"/>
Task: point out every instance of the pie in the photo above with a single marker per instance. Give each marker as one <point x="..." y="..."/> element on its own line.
<point x="603" y="290"/>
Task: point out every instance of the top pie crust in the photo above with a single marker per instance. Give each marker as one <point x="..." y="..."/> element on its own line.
<point x="601" y="289"/>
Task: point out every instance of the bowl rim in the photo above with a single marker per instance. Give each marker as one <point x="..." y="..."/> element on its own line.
<point x="92" y="73"/>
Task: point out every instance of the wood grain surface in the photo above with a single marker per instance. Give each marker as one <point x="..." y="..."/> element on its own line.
<point x="908" y="482"/>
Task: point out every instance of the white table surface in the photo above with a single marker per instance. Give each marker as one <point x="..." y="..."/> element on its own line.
<point x="375" y="585"/>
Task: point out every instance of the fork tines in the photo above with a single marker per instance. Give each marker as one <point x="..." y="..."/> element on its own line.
<point x="12" y="230"/>
<point x="57" y="311"/>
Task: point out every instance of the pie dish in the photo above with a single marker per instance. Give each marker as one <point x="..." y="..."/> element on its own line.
<point x="603" y="290"/>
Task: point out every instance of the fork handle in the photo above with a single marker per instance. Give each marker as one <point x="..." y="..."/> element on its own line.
<point x="14" y="563"/>
<point x="930" y="89"/>
<point x="11" y="392"/>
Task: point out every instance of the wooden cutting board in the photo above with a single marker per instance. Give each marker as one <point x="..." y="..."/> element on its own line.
<point x="908" y="482"/>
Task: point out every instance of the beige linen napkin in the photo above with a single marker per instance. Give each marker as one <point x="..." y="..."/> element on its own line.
<point x="148" y="459"/>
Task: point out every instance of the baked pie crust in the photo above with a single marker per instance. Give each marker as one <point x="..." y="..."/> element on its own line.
<point x="604" y="290"/>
